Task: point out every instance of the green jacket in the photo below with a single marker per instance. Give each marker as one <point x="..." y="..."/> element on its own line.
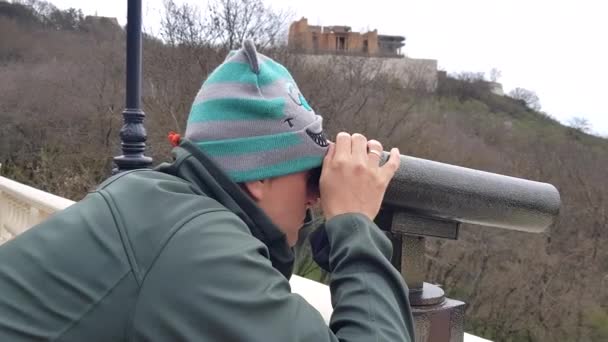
<point x="180" y="253"/>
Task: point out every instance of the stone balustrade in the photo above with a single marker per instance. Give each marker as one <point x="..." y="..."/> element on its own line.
<point x="22" y="207"/>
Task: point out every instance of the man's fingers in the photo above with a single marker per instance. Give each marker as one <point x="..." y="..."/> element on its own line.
<point x="374" y="148"/>
<point x="375" y="145"/>
<point x="391" y="166"/>
<point x="359" y="148"/>
<point x="331" y="150"/>
<point x="343" y="147"/>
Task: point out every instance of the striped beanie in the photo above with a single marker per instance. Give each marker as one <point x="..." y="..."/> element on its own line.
<point x="251" y="119"/>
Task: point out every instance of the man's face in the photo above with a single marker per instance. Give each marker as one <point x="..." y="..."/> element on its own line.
<point x="285" y="200"/>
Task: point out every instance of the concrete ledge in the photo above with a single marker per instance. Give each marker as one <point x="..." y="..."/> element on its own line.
<point x="38" y="198"/>
<point x="22" y="207"/>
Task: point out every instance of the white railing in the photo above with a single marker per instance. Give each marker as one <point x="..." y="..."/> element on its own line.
<point x="22" y="207"/>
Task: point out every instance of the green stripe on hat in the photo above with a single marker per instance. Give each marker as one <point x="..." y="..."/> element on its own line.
<point x="271" y="71"/>
<point x="229" y="109"/>
<point x="238" y="72"/>
<point x="240" y="146"/>
<point x="280" y="169"/>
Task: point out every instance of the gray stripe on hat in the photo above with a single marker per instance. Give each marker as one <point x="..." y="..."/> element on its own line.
<point x="268" y="158"/>
<point x="241" y="90"/>
<point x="220" y="130"/>
<point x="240" y="57"/>
<point x="237" y="57"/>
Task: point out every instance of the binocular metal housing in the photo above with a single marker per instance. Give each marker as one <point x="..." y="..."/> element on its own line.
<point x="428" y="191"/>
<point x="431" y="199"/>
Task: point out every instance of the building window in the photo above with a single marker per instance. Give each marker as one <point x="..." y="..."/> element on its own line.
<point x="340" y="43"/>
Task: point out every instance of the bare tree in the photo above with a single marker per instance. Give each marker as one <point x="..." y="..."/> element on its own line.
<point x="495" y="75"/>
<point x="236" y="20"/>
<point x="183" y="25"/>
<point x="580" y="124"/>
<point x="51" y="16"/>
<point x="529" y="97"/>
<point x="43" y="9"/>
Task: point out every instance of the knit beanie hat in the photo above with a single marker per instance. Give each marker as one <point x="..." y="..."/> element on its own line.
<point x="251" y="119"/>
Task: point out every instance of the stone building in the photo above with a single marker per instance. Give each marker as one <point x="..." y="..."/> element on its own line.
<point x="341" y="39"/>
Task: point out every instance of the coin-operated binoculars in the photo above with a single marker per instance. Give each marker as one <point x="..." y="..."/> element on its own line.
<point x="431" y="199"/>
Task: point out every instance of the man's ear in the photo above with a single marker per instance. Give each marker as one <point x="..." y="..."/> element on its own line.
<point x="256" y="189"/>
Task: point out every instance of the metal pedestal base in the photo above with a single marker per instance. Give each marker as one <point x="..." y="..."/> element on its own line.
<point x="436" y="318"/>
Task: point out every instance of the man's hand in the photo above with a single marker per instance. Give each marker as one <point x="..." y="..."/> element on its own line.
<point x="352" y="180"/>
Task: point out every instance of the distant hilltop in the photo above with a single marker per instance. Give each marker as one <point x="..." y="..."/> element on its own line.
<point x="50" y="17"/>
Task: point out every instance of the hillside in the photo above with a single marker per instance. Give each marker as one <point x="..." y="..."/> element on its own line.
<point x="62" y="94"/>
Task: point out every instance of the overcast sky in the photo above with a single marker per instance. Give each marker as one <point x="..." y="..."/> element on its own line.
<point x="559" y="48"/>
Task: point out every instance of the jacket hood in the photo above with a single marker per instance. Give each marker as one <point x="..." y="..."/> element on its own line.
<point x="192" y="165"/>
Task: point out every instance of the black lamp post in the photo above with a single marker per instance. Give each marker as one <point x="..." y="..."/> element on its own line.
<point x="133" y="133"/>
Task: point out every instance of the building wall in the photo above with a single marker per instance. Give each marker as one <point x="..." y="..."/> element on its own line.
<point x="299" y="36"/>
<point x="411" y="72"/>
<point x="306" y="38"/>
<point x="372" y="38"/>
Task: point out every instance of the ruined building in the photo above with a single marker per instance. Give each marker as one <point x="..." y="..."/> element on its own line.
<point x="318" y="45"/>
<point x="341" y="39"/>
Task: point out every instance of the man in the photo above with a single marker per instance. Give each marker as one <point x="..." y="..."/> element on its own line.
<point x="199" y="249"/>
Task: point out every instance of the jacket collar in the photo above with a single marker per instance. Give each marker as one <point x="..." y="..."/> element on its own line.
<point x="194" y="166"/>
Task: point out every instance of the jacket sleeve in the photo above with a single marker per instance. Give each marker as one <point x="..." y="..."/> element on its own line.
<point x="213" y="282"/>
<point x="369" y="296"/>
